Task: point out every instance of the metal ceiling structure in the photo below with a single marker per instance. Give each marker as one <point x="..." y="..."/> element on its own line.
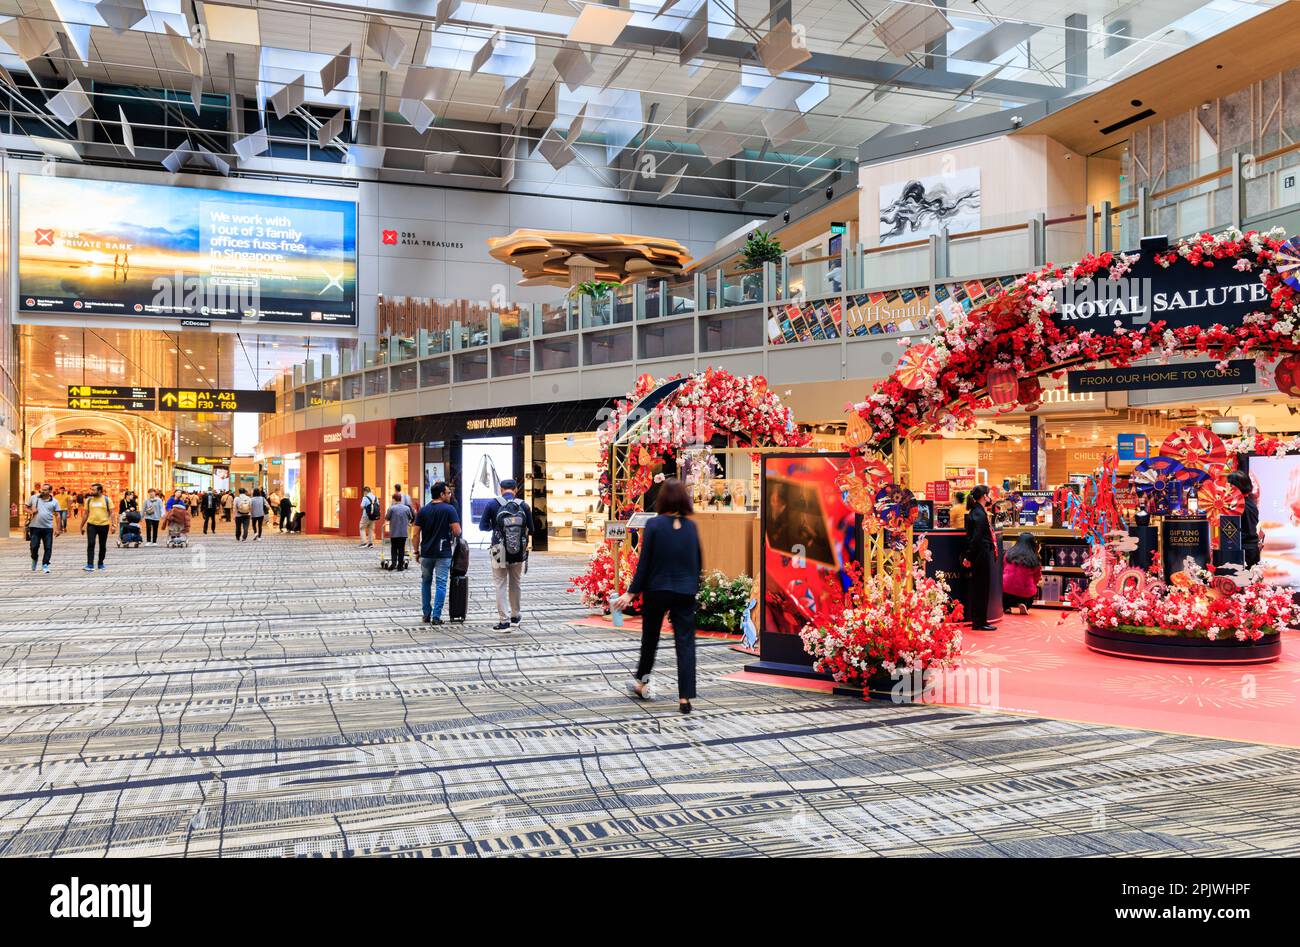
<point x="742" y="105"/>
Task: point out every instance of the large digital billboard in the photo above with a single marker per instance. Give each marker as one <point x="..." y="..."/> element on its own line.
<point x="113" y="248"/>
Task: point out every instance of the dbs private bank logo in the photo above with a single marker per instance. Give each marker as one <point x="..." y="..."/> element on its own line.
<point x="390" y="237"/>
<point x="44" y="237"/>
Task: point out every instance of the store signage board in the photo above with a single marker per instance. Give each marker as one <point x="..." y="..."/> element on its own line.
<point x="1146" y="377"/>
<point x="217" y="400"/>
<point x="1133" y="447"/>
<point x="69" y="455"/>
<point x="1179" y="295"/>
<point x="111" y="398"/>
<point x="940" y="491"/>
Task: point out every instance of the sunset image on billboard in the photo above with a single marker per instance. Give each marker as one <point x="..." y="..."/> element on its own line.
<point x="111" y="247"/>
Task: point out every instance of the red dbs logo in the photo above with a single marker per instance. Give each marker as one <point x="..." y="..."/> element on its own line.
<point x="390" y="237"/>
<point x="44" y="237"/>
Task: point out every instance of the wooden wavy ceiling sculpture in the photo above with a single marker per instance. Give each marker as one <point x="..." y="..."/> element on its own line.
<point x="559" y="258"/>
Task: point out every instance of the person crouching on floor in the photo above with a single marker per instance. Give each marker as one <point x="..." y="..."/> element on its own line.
<point x="1022" y="570"/>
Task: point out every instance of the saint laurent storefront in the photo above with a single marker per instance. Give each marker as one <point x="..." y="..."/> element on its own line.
<point x="475" y="450"/>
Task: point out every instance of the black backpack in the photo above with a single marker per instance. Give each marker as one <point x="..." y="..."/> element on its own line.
<point x="511" y="525"/>
<point x="372" y="510"/>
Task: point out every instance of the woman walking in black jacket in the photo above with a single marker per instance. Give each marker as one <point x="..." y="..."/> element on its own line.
<point x="668" y="578"/>
<point x="981" y="553"/>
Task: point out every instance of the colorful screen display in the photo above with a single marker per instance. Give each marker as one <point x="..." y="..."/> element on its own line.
<point x="1277" y="480"/>
<point x="113" y="248"/>
<point x="809" y="535"/>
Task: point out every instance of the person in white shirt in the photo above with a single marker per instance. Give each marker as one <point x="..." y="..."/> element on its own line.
<point x="369" y="515"/>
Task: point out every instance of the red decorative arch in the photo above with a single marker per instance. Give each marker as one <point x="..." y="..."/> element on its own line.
<point x="1018" y="335"/>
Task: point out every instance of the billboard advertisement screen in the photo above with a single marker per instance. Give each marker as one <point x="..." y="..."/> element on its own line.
<point x="114" y="248"/>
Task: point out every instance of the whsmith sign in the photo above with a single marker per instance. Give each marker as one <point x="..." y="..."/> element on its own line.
<point x="1179" y="295"/>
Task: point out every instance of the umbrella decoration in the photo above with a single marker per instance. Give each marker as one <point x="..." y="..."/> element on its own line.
<point x="1286" y="260"/>
<point x="896" y="509"/>
<point x="1197" y="448"/>
<point x="860" y="482"/>
<point x="1219" y="498"/>
<point x="918" y="365"/>
<point x="1156" y="479"/>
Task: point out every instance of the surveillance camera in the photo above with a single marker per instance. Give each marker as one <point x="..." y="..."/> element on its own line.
<point x="786" y="217"/>
<point x="830" y="192"/>
<point x="1205" y="106"/>
<point x="1017" y="121"/>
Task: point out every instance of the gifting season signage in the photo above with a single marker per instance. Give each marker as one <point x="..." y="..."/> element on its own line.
<point x="1141" y="377"/>
<point x="111" y="398"/>
<point x="249" y="400"/>
<point x="878" y="313"/>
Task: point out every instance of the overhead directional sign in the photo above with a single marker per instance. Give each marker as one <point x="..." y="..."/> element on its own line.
<point x="249" y="400"/>
<point x="111" y="398"/>
<point x="202" y="461"/>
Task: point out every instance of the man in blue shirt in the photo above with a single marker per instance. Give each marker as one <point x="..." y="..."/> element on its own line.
<point x="436" y="527"/>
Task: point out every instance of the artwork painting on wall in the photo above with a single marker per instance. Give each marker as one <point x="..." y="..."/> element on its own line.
<point x="921" y="207"/>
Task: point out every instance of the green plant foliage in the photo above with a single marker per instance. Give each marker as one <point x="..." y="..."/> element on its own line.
<point x="760" y="247"/>
<point x="720" y="604"/>
<point x="594" y="288"/>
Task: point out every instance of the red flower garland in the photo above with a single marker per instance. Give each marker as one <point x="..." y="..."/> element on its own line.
<point x="1015" y="331"/>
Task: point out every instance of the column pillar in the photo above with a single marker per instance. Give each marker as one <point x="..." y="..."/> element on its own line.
<point x="311" y="499"/>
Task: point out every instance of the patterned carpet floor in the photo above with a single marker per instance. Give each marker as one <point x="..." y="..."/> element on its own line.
<point x="282" y="698"/>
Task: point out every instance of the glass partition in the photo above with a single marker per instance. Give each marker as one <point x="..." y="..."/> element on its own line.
<point x="510" y="360"/>
<point x="471" y="366"/>
<point x="667" y="338"/>
<point x="554" y="354"/>
<point x="607" y="348"/>
<point x="727" y="330"/>
<point x="434" y="372"/>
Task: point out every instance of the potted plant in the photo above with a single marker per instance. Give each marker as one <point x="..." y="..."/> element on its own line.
<point x="760" y="247"/>
<point x="597" y="291"/>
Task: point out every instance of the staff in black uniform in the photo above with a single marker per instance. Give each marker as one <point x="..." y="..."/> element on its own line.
<point x="981" y="554"/>
<point x="1249" y="516"/>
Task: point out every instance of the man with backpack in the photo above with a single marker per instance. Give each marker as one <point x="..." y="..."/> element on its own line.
<point x="436" y="536"/>
<point x="510" y="522"/>
<point x="243" y="512"/>
<point x="369" y="516"/>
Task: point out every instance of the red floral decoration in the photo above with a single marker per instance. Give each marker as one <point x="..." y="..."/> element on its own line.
<point x="1017" y="332"/>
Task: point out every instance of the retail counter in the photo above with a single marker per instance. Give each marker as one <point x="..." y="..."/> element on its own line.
<point x="729" y="541"/>
<point x="947" y="546"/>
<point x="1062" y="551"/>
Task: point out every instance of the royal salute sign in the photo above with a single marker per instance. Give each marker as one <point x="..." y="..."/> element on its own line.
<point x="1177" y="295"/>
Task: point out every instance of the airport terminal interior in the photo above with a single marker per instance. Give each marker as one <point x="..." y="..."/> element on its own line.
<point x="380" y="382"/>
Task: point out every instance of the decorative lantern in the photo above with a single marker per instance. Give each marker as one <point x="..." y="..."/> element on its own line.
<point x="1287" y="376"/>
<point x="1003" y="386"/>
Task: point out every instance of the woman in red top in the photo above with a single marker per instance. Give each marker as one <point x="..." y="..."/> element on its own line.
<point x="1021" y="572"/>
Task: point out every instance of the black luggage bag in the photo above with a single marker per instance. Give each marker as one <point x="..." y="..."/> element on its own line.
<point x="458" y="598"/>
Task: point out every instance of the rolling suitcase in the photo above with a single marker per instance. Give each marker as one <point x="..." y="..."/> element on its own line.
<point x="458" y="598"/>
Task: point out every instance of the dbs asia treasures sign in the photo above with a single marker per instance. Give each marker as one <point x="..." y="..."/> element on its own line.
<point x="1179" y="295"/>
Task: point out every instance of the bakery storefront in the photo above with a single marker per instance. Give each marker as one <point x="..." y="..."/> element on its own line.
<point x="550" y="449"/>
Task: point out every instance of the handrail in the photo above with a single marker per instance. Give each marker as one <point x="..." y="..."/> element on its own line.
<point x="988" y="231"/>
<point x="1200" y="179"/>
<point x="816" y="259"/>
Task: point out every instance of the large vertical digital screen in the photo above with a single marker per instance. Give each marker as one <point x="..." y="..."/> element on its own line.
<point x="1278" y="481"/>
<point x="114" y="248"/>
<point x="810" y="536"/>
<point x="485" y="462"/>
